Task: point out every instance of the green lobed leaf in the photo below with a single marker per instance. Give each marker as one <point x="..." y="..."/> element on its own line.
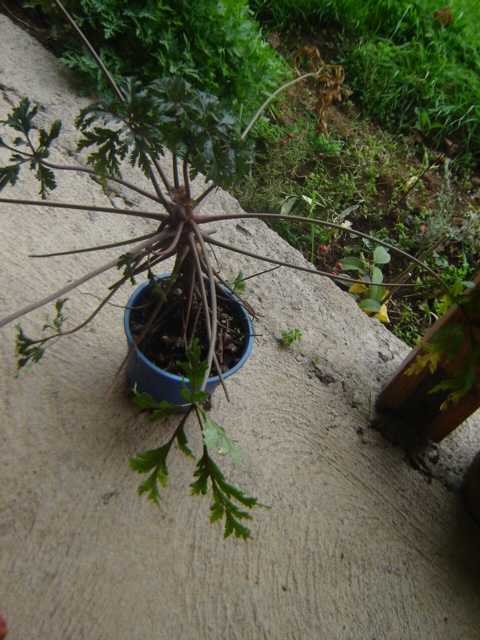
<point x="150" y="486"/>
<point x="191" y="395"/>
<point x="381" y="255"/>
<point x="129" y="261"/>
<point x="21" y="117"/>
<point x="27" y="351"/>
<point x="449" y="339"/>
<point x="194" y="369"/>
<point x="182" y="441"/>
<point x="446" y="301"/>
<point x="214" y="437"/>
<point x="151" y="459"/>
<point x="200" y="486"/>
<point x="238" y="285"/>
<point x="230" y="490"/>
<point x="222" y="493"/>
<point x="47" y="138"/>
<point x="216" y="511"/>
<point x="461" y="382"/>
<point x="59" y="319"/>
<point x="160" y="410"/>
<point x="9" y="175"/>
<point x="46" y="177"/>
<point x="232" y="525"/>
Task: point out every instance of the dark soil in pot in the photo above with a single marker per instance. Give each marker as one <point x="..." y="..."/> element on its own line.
<point x="164" y="343"/>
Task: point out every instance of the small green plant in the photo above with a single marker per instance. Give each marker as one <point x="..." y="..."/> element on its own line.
<point x="238" y="284"/>
<point x="371" y="295"/>
<point x="288" y="337"/>
<point x="133" y="123"/>
<point x="30" y="351"/>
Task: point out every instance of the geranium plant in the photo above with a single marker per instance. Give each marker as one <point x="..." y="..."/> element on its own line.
<point x="135" y="124"/>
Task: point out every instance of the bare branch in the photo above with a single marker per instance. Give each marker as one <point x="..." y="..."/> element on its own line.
<point x="289" y="265"/>
<point x="160" y="217"/>
<point x="161" y="172"/>
<point x="92" y="51"/>
<point x="320" y="223"/>
<point x="159" y="197"/>
<point x="200" y="200"/>
<point x="113" y="245"/>
<point x="157" y="187"/>
<point x="172" y="245"/>
<point x="176" y="178"/>
<point x="213" y="300"/>
<point x="73" y="285"/>
<point x="271" y="97"/>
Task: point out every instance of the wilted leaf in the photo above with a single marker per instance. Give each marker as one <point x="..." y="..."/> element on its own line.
<point x="357" y="288"/>
<point x="382" y="315"/>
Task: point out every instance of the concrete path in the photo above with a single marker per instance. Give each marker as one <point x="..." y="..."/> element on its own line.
<point x="357" y="544"/>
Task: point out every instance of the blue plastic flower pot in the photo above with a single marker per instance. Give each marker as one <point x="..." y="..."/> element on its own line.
<point x="160" y="385"/>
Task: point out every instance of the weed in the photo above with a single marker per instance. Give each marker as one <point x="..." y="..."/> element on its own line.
<point x="288" y="337"/>
<point x="371" y="295"/>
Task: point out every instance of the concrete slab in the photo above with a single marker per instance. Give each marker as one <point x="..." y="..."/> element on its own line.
<point x="356" y="545"/>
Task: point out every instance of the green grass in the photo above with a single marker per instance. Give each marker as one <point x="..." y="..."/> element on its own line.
<point x="407" y="69"/>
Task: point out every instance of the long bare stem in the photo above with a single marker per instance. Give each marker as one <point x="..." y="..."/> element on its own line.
<point x="186" y="180"/>
<point x="172" y="245"/>
<point x="186" y="177"/>
<point x="157" y="187"/>
<point x="201" y="285"/>
<point x="160" y="217"/>
<point x="148" y="265"/>
<point x="209" y="318"/>
<point x="321" y="223"/>
<point x="272" y="96"/>
<point x="176" y="178"/>
<point x="121" y="181"/>
<point x="201" y="199"/>
<point x="213" y="300"/>
<point x="289" y="265"/>
<point x="92" y="51"/>
<point x="73" y="285"/>
<point x="113" y="245"/>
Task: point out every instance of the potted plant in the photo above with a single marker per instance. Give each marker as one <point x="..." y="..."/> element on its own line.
<point x="135" y="124"/>
<point x="153" y="369"/>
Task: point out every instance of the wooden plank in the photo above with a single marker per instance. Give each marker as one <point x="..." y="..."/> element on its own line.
<point x="409" y="397"/>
